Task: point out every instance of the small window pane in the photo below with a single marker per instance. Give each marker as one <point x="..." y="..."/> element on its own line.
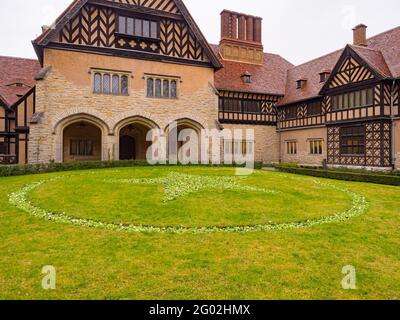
<point x="150" y="87"/>
<point x="146" y="28"/>
<point x="97" y="83"/>
<point x="370" y="96"/>
<point x="138" y="27"/>
<point x="115" y="84"/>
<point x="173" y="89"/>
<point x="106" y="83"/>
<point x="122" y="25"/>
<point x="124" y="85"/>
<point x="364" y="97"/>
<point x="158" y="88"/>
<point x="165" y="88"/>
<point x="129" y="26"/>
<point x="154" y="29"/>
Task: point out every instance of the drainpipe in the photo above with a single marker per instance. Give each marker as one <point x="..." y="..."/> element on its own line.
<point x="279" y="137"/>
<point x="393" y="125"/>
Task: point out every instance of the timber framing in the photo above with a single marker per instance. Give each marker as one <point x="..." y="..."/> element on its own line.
<point x="192" y="45"/>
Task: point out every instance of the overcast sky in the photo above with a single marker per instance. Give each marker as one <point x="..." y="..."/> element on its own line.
<point x="297" y="30"/>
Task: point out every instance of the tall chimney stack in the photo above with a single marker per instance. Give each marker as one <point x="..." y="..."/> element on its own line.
<point x="360" y="35"/>
<point x="241" y="37"/>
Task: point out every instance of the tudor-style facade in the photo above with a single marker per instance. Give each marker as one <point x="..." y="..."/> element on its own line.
<point x="112" y="70"/>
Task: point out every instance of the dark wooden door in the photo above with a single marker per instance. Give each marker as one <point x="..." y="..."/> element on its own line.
<point x="127" y="148"/>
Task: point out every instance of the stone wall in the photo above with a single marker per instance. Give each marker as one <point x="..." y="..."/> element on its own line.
<point x="66" y="96"/>
<point x="266" y="141"/>
<point x="302" y="137"/>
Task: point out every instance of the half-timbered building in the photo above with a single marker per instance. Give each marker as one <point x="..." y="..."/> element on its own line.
<point x="108" y="71"/>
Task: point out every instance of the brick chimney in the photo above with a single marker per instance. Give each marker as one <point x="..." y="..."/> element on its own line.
<point x="241" y="37"/>
<point x="360" y="35"/>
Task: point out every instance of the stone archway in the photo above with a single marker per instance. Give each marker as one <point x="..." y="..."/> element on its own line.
<point x="81" y="127"/>
<point x="82" y="141"/>
<point x="132" y="134"/>
<point x="191" y="127"/>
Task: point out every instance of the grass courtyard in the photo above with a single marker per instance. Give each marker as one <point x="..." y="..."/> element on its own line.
<point x="196" y="233"/>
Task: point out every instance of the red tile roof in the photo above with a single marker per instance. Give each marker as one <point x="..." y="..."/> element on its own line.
<point x="309" y="71"/>
<point x="389" y="44"/>
<point x="16" y="70"/>
<point x="374" y="58"/>
<point x="267" y="78"/>
<point x="382" y="54"/>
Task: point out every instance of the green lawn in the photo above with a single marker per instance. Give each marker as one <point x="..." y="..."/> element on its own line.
<point x="95" y="263"/>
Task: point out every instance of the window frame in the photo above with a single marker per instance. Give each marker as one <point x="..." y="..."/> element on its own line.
<point x="359" y="136"/>
<point x="162" y="79"/>
<point x="291" y="147"/>
<point x="77" y="144"/>
<point x="316" y="144"/>
<point x="340" y="101"/>
<point x="153" y="22"/>
<point x="112" y="74"/>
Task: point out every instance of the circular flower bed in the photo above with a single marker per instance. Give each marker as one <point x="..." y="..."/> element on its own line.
<point x="176" y="185"/>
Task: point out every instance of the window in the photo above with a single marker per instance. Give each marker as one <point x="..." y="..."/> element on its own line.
<point x="97" y="83"/>
<point x="3" y="148"/>
<point x="291" y="147"/>
<point x="300" y="84"/>
<point x="173" y="89"/>
<point x="115" y="84"/>
<point x="19" y="85"/>
<point x="291" y="112"/>
<point x="240" y="105"/>
<point x="324" y="76"/>
<point x="355" y="99"/>
<point x="238" y="147"/>
<point x="81" y="148"/>
<point x="352" y="140"/>
<point x="107" y="83"/>
<point x="316" y="146"/>
<point x="161" y="88"/>
<point x="314" y="108"/>
<point x="138" y="27"/>
<point x="124" y="85"/>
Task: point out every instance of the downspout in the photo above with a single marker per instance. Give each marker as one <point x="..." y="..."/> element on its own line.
<point x="393" y="125"/>
<point x="279" y="137"/>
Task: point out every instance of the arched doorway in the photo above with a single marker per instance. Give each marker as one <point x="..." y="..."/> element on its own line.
<point x="187" y="132"/>
<point x="127" y="148"/>
<point x="132" y="133"/>
<point x="82" y="142"/>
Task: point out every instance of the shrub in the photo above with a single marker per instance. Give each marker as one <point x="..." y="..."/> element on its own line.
<point x="347" y="175"/>
<point x="19" y="170"/>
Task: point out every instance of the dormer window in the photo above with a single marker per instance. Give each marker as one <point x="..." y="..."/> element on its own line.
<point x="324" y="76"/>
<point x="19" y="85"/>
<point x="301" y="83"/>
<point x="246" y="77"/>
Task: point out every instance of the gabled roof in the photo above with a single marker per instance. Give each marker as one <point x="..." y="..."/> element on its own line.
<point x="374" y="58"/>
<point x="75" y="6"/>
<point x="268" y="78"/>
<point x="381" y="55"/>
<point x="16" y="70"/>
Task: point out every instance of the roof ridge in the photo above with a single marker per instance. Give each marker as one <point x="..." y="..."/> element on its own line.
<point x="320" y="57"/>
<point x="19" y="58"/>
<point x="384" y="32"/>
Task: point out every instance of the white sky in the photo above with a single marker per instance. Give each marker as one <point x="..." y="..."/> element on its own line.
<point x="297" y="30"/>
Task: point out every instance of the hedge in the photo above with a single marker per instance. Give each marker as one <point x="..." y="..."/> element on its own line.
<point x="19" y="170"/>
<point x="386" y="179"/>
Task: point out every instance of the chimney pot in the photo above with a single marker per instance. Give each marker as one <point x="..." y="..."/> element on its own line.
<point x="360" y="35"/>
